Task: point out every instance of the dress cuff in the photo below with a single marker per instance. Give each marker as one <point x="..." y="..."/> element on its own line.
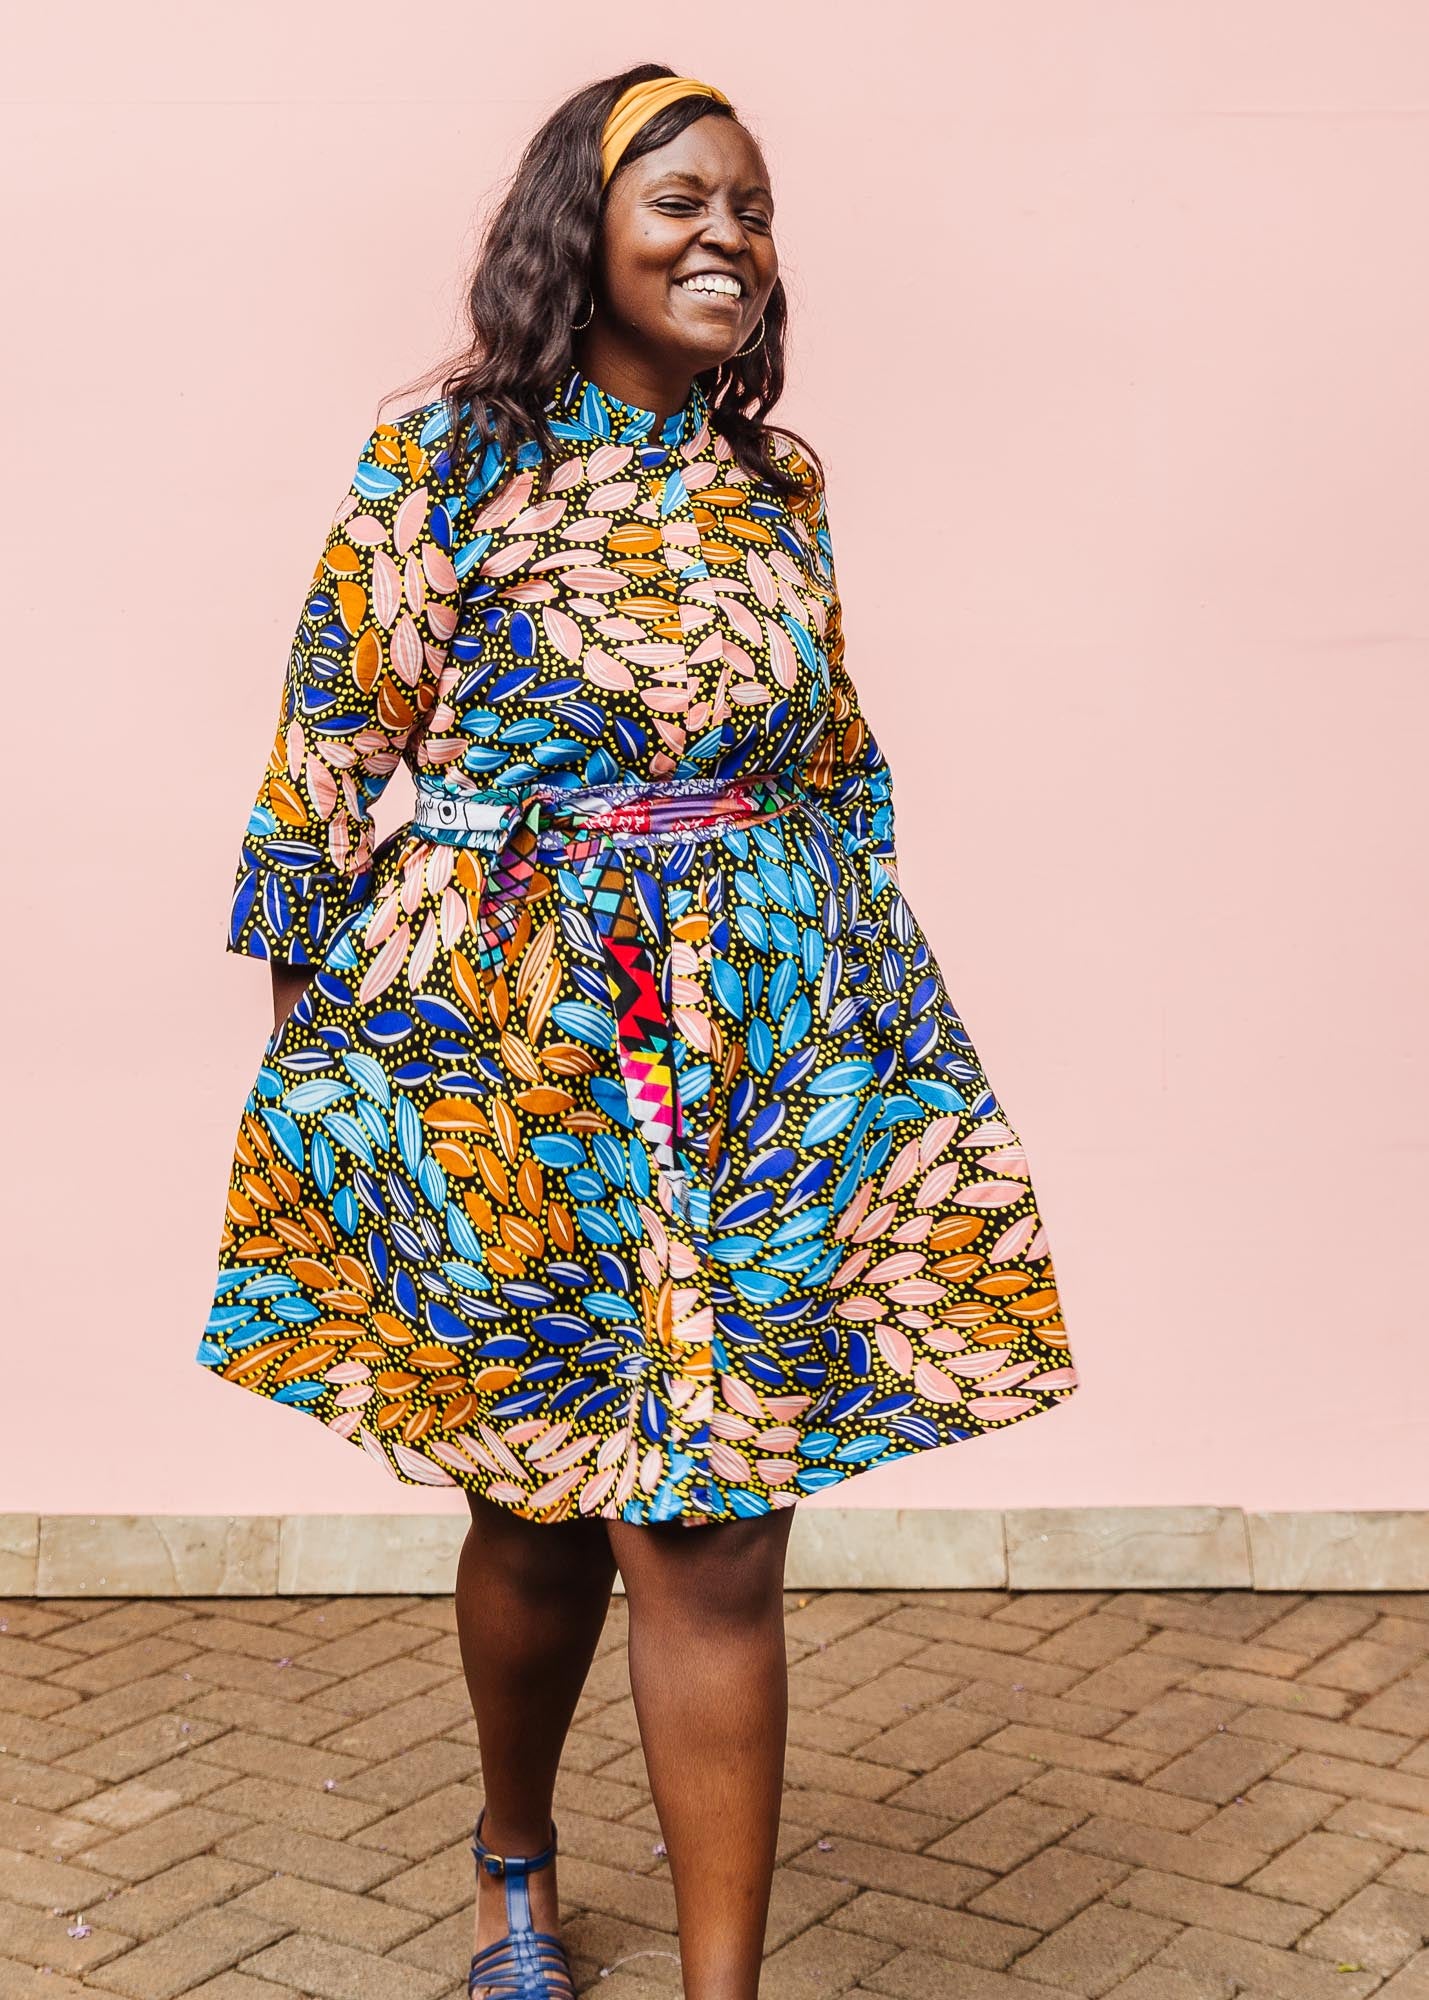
<point x="287" y="901"/>
<point x="863" y="807"/>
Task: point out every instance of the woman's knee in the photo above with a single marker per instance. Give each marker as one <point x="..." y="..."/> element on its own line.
<point x="730" y="1574"/>
<point x="558" y="1553"/>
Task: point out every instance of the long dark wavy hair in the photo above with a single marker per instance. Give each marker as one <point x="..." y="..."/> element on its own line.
<point x="536" y="271"/>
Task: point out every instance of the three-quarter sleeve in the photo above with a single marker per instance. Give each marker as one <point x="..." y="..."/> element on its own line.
<point x="362" y="673"/>
<point x="847" y="769"/>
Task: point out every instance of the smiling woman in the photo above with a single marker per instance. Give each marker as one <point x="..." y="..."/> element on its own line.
<point x="624" y="1161"/>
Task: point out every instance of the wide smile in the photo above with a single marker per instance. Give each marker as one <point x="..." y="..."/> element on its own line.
<point x="723" y="299"/>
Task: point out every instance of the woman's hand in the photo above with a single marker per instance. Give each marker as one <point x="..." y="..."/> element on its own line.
<point x="288" y="984"/>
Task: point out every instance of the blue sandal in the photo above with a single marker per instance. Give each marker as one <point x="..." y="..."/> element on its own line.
<point x="526" y="1964"/>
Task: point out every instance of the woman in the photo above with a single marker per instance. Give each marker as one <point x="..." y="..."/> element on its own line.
<point x="617" y="1154"/>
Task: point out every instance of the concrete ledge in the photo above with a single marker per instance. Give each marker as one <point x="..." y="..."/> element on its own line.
<point x="830" y="1548"/>
<point x="1339" y="1551"/>
<point x="385" y="1554"/>
<point x="1107" y="1548"/>
<point x="157" y="1555"/>
<point x="19" y="1554"/>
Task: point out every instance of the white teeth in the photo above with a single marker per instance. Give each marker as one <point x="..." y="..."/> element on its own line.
<point x="711" y="281"/>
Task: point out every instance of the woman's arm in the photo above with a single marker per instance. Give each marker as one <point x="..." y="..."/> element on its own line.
<point x="846" y="767"/>
<point x="362" y="673"/>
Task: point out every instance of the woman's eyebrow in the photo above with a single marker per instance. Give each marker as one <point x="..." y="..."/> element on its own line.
<point x="698" y="181"/>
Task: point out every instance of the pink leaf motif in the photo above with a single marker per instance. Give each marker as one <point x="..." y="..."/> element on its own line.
<point x="386" y="964"/>
<point x="597" y="580"/>
<point x="916" y="1292"/>
<point x="853" y="1215"/>
<point x="902" y="1264"/>
<point x="1013" y="1240"/>
<point x="570" y="472"/>
<point x="410" y="520"/>
<point x="373" y="1448"/>
<point x="905" y="1165"/>
<point x="739" y="1396"/>
<point x="322" y="786"/>
<point x="407" y="653"/>
<point x="655" y="653"/>
<point x="930" y="1381"/>
<point x="563" y="632"/>
<point x="1008" y="1378"/>
<point x="938" y="1137"/>
<point x="602" y="670"/>
<point x="989" y="1133"/>
<point x="999" y="1409"/>
<point x="765" y="588"/>
<point x="414" y="583"/>
<point x="606" y="460"/>
<point x="727" y="1463"/>
<point x="873" y="1226"/>
<point x="610" y="499"/>
<point x="783" y="661"/>
<point x="423" y="952"/>
<point x="851" y="1268"/>
<point x="973" y="1367"/>
<point x="418" y="1466"/>
<point x="454" y="916"/>
<point x="536" y="520"/>
<point x="939" y="1184"/>
<point x="505" y="504"/>
<point x="505" y="557"/>
<point x="386" y="589"/>
<point x="991" y="1194"/>
<point x="744" y="620"/>
<point x="438" y="568"/>
<point x="895" y="1347"/>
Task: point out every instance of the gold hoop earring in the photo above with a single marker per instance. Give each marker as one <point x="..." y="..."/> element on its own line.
<point x="576" y="324"/>
<point x="753" y="343"/>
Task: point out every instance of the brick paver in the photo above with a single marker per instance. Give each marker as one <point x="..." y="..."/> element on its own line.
<point x="1085" y="1795"/>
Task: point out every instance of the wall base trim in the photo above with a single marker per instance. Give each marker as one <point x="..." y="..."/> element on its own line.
<point x="831" y="1548"/>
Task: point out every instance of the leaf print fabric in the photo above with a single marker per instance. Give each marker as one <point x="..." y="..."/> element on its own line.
<point x="625" y="1155"/>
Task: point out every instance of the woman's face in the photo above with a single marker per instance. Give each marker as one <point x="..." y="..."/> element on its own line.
<point x="700" y="205"/>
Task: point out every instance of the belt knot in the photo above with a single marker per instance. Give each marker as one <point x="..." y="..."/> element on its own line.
<point x="590" y="828"/>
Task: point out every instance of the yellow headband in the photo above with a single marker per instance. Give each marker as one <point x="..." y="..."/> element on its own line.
<point x="637" y="105"/>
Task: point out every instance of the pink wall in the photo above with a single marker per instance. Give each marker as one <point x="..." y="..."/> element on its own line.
<point x="1146" y="286"/>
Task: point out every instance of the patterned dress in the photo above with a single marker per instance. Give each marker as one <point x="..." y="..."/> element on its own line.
<point x="625" y="1155"/>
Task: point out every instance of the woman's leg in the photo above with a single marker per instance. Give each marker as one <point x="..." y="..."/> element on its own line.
<point x="709" y="1675"/>
<point x="531" y="1600"/>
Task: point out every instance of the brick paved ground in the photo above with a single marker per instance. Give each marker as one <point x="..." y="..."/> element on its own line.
<point x="991" y="1797"/>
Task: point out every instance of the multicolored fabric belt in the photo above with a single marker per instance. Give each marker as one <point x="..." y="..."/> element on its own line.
<point x="606" y="914"/>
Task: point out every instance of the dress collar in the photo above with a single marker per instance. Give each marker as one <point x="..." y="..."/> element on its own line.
<point x="581" y="408"/>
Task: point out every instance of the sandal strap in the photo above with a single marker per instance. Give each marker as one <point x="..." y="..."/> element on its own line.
<point x="530" y="1965"/>
<point x="526" y="1964"/>
<point x="510" y="1864"/>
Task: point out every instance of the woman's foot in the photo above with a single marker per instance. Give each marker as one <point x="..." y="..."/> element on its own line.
<point x="491" y="1914"/>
